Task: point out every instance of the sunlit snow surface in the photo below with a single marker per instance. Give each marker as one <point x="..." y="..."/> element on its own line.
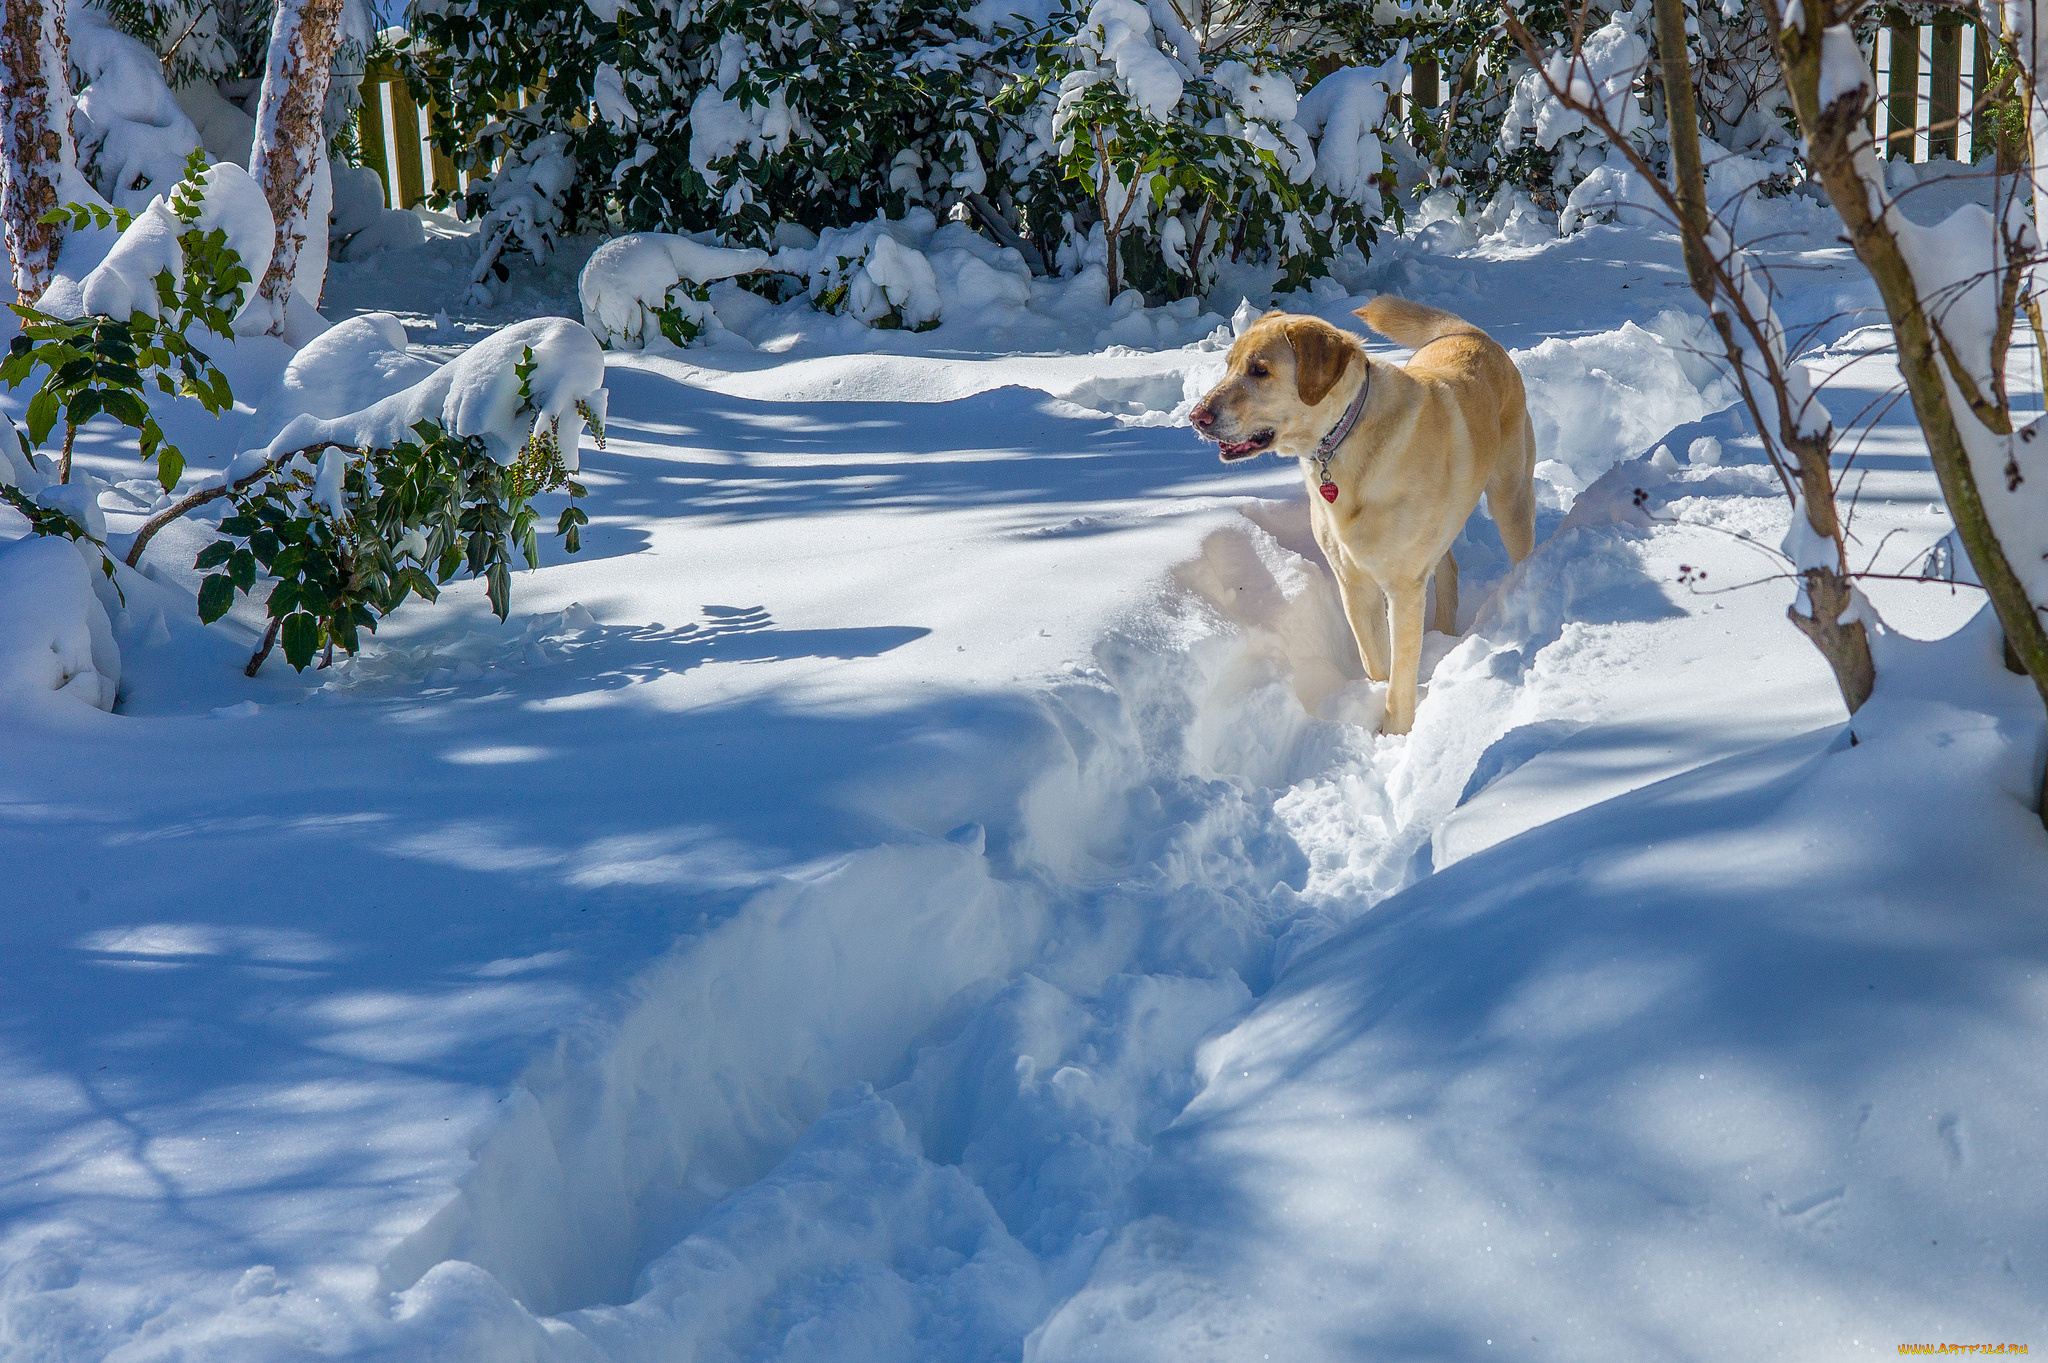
<point x="795" y="934"/>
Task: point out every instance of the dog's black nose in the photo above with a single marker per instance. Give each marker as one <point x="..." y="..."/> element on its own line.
<point x="1203" y="418"/>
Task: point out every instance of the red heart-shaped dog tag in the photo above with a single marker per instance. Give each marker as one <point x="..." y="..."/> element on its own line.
<point x="1329" y="491"/>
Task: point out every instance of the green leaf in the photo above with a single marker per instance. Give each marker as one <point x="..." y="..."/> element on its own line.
<point x="500" y="589"/>
<point x="300" y="636"/>
<point x="42" y="415"/>
<point x="216" y="594"/>
<point x="170" y="466"/>
<point x="214" y="554"/>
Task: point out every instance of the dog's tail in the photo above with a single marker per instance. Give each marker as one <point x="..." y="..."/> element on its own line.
<point x="1413" y="325"/>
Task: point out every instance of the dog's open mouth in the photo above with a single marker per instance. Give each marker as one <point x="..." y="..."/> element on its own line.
<point x="1244" y="449"/>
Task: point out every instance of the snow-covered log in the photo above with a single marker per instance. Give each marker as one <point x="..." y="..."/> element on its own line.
<point x="290" y="157"/>
<point x="38" y="161"/>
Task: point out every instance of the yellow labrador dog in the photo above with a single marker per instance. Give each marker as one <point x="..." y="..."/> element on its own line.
<point x="1395" y="459"/>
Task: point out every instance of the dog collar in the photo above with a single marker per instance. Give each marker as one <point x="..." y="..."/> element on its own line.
<point x="1327" y="451"/>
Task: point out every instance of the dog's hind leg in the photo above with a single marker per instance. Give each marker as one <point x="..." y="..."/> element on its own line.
<point x="1366" y="608"/>
<point x="1511" y="498"/>
<point x="1447" y="594"/>
<point x="1405" y="607"/>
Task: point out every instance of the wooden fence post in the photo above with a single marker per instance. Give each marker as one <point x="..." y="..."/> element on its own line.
<point x="370" y="131"/>
<point x="1903" y="97"/>
<point x="1944" y="87"/>
<point x="1423" y="81"/>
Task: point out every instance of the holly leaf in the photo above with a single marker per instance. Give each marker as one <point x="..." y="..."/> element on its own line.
<point x="216" y="594"/>
<point x="170" y="466"/>
<point x="42" y="415"/>
<point x="300" y="636"/>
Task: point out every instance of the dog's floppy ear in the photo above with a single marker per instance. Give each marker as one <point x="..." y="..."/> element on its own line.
<point x="1321" y="354"/>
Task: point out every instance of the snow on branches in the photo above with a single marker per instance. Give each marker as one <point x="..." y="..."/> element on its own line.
<point x="1106" y="134"/>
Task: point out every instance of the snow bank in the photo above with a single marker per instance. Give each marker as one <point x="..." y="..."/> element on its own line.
<point x="55" y="639"/>
<point x="1599" y="399"/>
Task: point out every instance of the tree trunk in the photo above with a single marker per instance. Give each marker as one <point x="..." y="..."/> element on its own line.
<point x="1832" y="134"/>
<point x="1684" y="123"/>
<point x="35" y="136"/>
<point x="1845" y="645"/>
<point x="288" y="159"/>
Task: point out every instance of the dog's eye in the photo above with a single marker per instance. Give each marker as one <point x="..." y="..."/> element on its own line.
<point x="1256" y="369"/>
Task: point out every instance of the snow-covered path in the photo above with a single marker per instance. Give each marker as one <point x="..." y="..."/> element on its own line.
<point x="917" y="763"/>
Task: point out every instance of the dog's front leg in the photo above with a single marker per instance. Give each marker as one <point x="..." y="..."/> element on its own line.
<point x="1404" y="602"/>
<point x="1366" y="607"/>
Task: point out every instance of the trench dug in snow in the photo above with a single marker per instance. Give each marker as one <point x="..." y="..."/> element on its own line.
<point x="908" y="1092"/>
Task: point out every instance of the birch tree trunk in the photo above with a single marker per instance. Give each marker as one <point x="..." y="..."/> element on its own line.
<point x="35" y="136"/>
<point x="289" y="158"/>
<point x="1952" y="360"/>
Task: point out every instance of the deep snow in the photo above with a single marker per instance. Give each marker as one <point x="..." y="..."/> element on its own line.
<point x="794" y="935"/>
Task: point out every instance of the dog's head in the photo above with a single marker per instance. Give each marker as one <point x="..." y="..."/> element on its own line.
<point x="1281" y="371"/>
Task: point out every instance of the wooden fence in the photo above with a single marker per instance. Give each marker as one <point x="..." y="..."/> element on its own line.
<point x="391" y="139"/>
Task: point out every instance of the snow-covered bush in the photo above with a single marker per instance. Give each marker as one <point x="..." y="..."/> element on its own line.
<point x="1106" y="134"/>
<point x="659" y="277"/>
<point x="1186" y="157"/>
<point x="1604" y="72"/>
<point x="133" y="138"/>
<point x="908" y="273"/>
<point x="177" y="266"/>
<point x="200" y="47"/>
<point x="525" y="199"/>
<point x="724" y="115"/>
<point x="359" y="225"/>
<point x="349" y="515"/>
<point x="55" y="639"/>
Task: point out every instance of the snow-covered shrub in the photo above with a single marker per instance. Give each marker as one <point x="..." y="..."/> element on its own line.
<point x="350" y="515"/>
<point x="724" y="115"/>
<point x="55" y="639"/>
<point x="358" y="223"/>
<point x="133" y="138"/>
<point x="907" y="272"/>
<point x="1184" y="157"/>
<point x="874" y="273"/>
<point x="177" y="265"/>
<point x="1604" y="72"/>
<point x="526" y="199"/>
<point x="1073" y="133"/>
<point x="202" y="46"/>
<point x="656" y="276"/>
